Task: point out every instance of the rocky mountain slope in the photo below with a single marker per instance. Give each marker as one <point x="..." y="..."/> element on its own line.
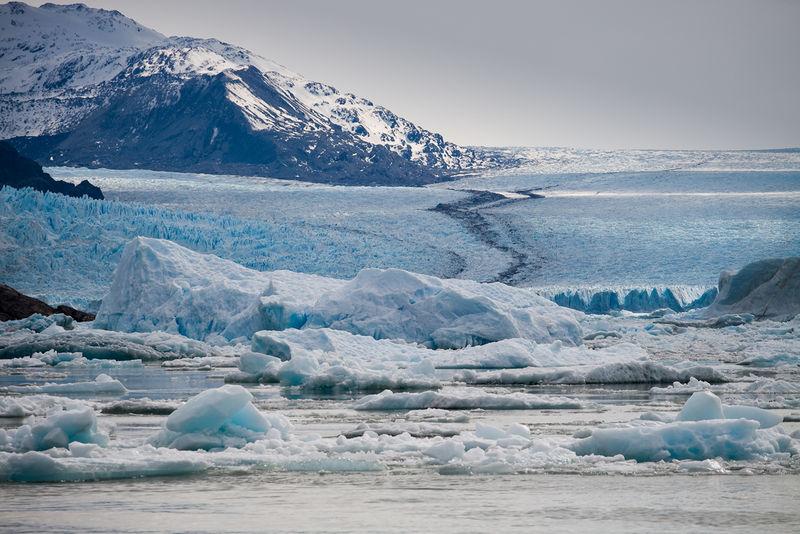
<point x="90" y="87"/>
<point x="18" y="172"/>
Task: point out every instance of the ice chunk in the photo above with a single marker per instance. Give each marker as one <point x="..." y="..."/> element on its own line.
<point x="139" y="462"/>
<point x="219" y="418"/>
<point x="632" y="372"/>
<point x="96" y="344"/>
<point x="729" y="439"/>
<point x="255" y="363"/>
<point x="142" y="406"/>
<point x="159" y="285"/>
<point x="59" y="429"/>
<point x="766" y="289"/>
<point x="765" y="418"/>
<point x="103" y="384"/>
<point x="704" y="429"/>
<point x="465" y="399"/>
<point x="446" y="451"/>
<point x="315" y="371"/>
<point x="451" y="314"/>
<point x="701" y="405"/>
<point x="24" y="406"/>
<point x="691" y="386"/>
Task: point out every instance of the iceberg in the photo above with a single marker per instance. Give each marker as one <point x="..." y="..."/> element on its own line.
<point x="74" y="422"/>
<point x="217" y="419"/>
<point x="84" y="463"/>
<point x="98" y="344"/>
<point x="102" y="384"/>
<point x="704" y="429"/>
<point x="159" y="285"/>
<point x="624" y="372"/>
<point x="767" y="289"/>
<point x="466" y="399"/>
<point x="439" y="313"/>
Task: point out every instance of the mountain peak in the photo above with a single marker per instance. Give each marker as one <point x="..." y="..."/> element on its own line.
<point x="73" y="75"/>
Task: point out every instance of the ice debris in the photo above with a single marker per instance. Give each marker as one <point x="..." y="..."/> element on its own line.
<point x="64" y="425"/>
<point x="766" y="288"/>
<point x="102" y="384"/>
<point x="704" y="429"/>
<point x="465" y="399"/>
<point x="631" y="372"/>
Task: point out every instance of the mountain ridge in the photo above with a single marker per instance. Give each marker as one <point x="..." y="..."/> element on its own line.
<point x="86" y="107"/>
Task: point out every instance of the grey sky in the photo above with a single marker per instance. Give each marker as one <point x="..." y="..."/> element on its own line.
<point x="581" y="73"/>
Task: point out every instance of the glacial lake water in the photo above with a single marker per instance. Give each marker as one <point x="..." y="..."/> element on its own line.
<point x="746" y="497"/>
<point x="408" y="502"/>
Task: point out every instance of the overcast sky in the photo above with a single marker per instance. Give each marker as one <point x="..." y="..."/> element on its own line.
<point x="581" y="73"/>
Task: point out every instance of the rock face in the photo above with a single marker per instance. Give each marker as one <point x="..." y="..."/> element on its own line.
<point x="90" y="87"/>
<point x="18" y="172"/>
<point x="14" y="305"/>
<point x="767" y="289"/>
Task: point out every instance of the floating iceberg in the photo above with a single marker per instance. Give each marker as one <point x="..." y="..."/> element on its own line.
<point x="103" y="384"/>
<point x="217" y="419"/>
<point x="66" y="360"/>
<point x="159" y="285"/>
<point x="441" y="314"/>
<point x="626" y="372"/>
<point x="25" y="405"/>
<point x="74" y="422"/>
<point x="465" y="399"/>
<point x="704" y="429"/>
<point x="765" y="289"/>
<point x="97" y="344"/>
<point x="86" y="462"/>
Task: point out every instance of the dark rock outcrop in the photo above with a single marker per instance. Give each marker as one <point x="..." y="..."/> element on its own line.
<point x="18" y="171"/>
<point x="14" y="306"/>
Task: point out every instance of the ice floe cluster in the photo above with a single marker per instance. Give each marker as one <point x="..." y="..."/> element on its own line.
<point x="67" y="445"/>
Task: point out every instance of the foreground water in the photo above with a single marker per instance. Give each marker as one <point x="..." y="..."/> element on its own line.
<point x="408" y="502"/>
<point x="411" y="496"/>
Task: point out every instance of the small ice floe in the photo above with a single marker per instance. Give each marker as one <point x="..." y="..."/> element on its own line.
<point x="143" y="406"/>
<point x="465" y="399"/>
<point x="757" y="386"/>
<point x="73" y="422"/>
<point x="397" y="427"/>
<point x="678" y="388"/>
<point x="200" y="362"/>
<point x="626" y="372"/>
<point x="90" y="462"/>
<point x="103" y="384"/>
<point x="317" y="370"/>
<point x="217" y="419"/>
<point x="27" y="405"/>
<point x="71" y="360"/>
<point x="704" y="429"/>
<point x="772" y="360"/>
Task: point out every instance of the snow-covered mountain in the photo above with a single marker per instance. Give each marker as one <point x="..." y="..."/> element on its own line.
<point x="84" y="86"/>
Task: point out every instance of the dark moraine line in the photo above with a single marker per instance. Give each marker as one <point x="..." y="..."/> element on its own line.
<point x="468" y="212"/>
